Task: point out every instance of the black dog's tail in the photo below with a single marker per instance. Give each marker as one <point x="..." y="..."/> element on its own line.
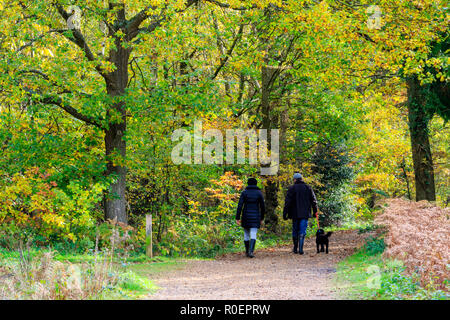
<point x="329" y="234"/>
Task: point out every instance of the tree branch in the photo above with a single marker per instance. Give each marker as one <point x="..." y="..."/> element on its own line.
<point x="227" y="6"/>
<point x="229" y="52"/>
<point x="133" y="25"/>
<point x="57" y="101"/>
<point x="79" y="40"/>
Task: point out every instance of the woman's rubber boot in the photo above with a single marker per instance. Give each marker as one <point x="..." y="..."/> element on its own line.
<point x="295" y="241"/>
<point x="252" y="248"/>
<point x="247" y="247"/>
<point x="302" y="241"/>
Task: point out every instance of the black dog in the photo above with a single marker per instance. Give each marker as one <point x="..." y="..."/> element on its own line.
<point x="322" y="240"/>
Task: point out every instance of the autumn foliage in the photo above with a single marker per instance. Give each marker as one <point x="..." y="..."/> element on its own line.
<point x="419" y="235"/>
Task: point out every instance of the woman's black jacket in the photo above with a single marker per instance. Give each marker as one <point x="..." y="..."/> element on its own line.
<point x="251" y="205"/>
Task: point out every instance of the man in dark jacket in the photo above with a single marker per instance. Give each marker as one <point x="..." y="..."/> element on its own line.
<point x="300" y="198"/>
<point x="251" y="205"/>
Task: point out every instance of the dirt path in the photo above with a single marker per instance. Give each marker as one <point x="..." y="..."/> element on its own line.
<point x="274" y="273"/>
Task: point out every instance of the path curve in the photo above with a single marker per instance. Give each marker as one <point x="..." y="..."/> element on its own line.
<point x="274" y="274"/>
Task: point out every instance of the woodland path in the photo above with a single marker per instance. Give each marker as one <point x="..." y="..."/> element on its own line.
<point x="275" y="273"/>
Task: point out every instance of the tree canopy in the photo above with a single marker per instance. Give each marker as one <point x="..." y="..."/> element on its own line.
<point x="91" y="92"/>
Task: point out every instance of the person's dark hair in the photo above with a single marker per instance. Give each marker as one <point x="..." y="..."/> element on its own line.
<point x="252" y="182"/>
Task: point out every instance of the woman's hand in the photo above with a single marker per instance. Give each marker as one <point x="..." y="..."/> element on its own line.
<point x="238" y="222"/>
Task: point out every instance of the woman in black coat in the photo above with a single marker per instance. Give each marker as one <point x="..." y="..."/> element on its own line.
<point x="251" y="205"/>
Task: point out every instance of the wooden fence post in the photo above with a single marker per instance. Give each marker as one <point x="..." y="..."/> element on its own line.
<point x="148" y="233"/>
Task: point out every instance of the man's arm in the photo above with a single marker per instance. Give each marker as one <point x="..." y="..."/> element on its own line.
<point x="287" y="203"/>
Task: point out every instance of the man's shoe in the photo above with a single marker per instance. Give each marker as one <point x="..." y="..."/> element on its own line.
<point x="247" y="247"/>
<point x="302" y="241"/>
<point x="295" y="242"/>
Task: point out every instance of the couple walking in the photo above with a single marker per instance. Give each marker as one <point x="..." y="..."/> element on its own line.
<point x="300" y="199"/>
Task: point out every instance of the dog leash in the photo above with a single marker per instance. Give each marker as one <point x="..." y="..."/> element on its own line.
<point x="317" y="219"/>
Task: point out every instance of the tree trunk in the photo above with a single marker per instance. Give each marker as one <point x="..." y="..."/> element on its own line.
<point x="115" y="204"/>
<point x="268" y="76"/>
<point x="115" y="144"/>
<point x="420" y="144"/>
<point x="405" y="176"/>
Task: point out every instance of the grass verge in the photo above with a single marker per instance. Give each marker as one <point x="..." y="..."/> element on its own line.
<point x="45" y="274"/>
<point x="366" y="275"/>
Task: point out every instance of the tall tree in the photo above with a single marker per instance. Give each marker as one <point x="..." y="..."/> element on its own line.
<point x="90" y="83"/>
<point x="411" y="49"/>
<point x="424" y="101"/>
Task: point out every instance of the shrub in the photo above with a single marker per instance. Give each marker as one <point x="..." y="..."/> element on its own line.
<point x="374" y="246"/>
<point x="331" y="162"/>
<point x="33" y="202"/>
<point x="394" y="284"/>
<point x="43" y="278"/>
<point x="418" y="235"/>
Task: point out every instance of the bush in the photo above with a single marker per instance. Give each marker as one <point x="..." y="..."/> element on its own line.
<point x="417" y="236"/>
<point x="42" y="278"/>
<point x="357" y="272"/>
<point x="331" y="163"/>
<point x="33" y="202"/>
<point x="374" y="246"/>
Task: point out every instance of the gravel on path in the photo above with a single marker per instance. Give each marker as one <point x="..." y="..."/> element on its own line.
<point x="274" y="274"/>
